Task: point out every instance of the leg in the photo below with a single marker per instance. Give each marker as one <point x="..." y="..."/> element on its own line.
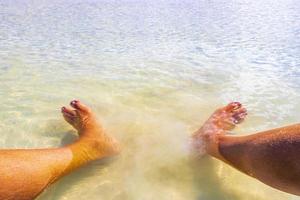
<point x="24" y="174"/>
<point x="270" y="156"/>
<point x="221" y="122"/>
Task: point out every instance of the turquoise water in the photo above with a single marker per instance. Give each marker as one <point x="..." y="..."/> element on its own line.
<point x="153" y="71"/>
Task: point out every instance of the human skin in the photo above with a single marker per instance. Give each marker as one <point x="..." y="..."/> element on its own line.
<point x="25" y="173"/>
<point x="272" y="157"/>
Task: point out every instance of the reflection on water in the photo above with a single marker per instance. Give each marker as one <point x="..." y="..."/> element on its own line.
<point x="153" y="71"/>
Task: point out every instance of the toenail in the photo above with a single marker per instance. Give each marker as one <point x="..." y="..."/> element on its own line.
<point x="237" y="103"/>
<point x="63" y="108"/>
<point x="74" y="102"/>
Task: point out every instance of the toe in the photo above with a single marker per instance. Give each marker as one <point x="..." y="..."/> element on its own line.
<point x="239" y="111"/>
<point x="79" y="106"/>
<point x="233" y="106"/>
<point x="69" y="118"/>
<point x="68" y="111"/>
<point x="237" y="120"/>
<point x="239" y="117"/>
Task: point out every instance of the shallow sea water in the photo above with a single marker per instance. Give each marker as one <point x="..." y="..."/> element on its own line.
<point x="153" y="71"/>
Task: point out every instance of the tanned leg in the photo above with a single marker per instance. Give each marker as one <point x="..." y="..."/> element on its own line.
<point x="25" y="173"/>
<point x="272" y="156"/>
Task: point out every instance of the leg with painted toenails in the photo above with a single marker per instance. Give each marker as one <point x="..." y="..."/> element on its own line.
<point x="25" y="173"/>
<point x="271" y="156"/>
<point x="93" y="142"/>
<point x="219" y="124"/>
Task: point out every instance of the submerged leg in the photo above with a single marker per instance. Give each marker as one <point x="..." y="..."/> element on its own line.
<point x="270" y="156"/>
<point x="25" y="173"/>
<point x="220" y="123"/>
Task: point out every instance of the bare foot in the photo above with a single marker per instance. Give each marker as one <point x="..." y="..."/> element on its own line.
<point x="92" y="137"/>
<point x="221" y="121"/>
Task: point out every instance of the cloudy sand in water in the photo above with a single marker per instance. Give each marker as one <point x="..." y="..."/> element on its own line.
<point x="153" y="72"/>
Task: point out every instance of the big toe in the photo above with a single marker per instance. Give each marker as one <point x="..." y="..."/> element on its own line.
<point x="233" y="106"/>
<point x="80" y="106"/>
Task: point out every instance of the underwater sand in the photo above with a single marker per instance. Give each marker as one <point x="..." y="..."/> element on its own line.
<point x="153" y="71"/>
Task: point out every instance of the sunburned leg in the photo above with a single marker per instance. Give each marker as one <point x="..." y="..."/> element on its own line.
<point x="24" y="174"/>
<point x="270" y="156"/>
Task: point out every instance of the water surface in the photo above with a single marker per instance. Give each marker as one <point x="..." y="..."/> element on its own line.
<point x="153" y="71"/>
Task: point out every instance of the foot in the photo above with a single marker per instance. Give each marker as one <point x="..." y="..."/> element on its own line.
<point x="91" y="134"/>
<point x="221" y="121"/>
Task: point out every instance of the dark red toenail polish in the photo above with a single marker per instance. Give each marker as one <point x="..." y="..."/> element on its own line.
<point x="63" y="108"/>
<point x="237" y="105"/>
<point x="74" y="103"/>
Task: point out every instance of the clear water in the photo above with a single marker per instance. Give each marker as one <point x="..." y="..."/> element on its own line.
<point x="153" y="71"/>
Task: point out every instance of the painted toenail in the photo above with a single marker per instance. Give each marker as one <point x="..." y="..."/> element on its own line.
<point x="74" y="102"/>
<point x="237" y="105"/>
<point x="63" y="108"/>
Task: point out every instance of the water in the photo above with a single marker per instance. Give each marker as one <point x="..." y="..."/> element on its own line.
<point x="153" y="71"/>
